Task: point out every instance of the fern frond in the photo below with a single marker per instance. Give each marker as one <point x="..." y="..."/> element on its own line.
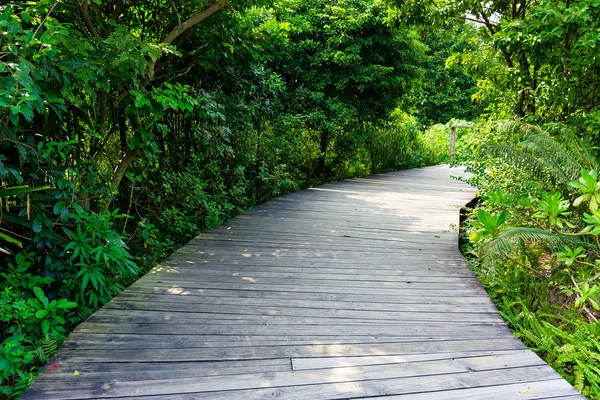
<point x="515" y="126"/>
<point x="585" y="153"/>
<point x="556" y="156"/>
<point x="84" y="312"/>
<point x="45" y="348"/>
<point x="578" y="377"/>
<point x="528" y="162"/>
<point x="517" y="238"/>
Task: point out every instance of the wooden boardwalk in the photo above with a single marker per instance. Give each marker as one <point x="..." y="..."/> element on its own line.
<point x="351" y="290"/>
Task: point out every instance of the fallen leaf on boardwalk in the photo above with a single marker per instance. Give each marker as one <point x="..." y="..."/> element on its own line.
<point x="76" y="373"/>
<point x="245" y="250"/>
<point x="436" y="236"/>
<point x="526" y="391"/>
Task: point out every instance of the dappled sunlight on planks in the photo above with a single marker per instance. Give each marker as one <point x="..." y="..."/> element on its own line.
<point x="179" y="291"/>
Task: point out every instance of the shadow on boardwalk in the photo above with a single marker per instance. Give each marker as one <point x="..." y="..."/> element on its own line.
<point x="351" y="290"/>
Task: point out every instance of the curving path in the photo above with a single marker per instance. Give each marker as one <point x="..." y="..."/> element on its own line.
<point x="350" y="290"/>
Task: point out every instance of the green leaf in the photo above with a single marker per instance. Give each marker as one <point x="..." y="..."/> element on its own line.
<point x="45" y="326"/>
<point x="41" y="313"/>
<point x="593" y="204"/>
<point x="10" y="239"/>
<point x="64" y="214"/>
<point x="37" y="226"/>
<point x="39" y="293"/>
<point x="504" y="215"/>
<point x="4" y="364"/>
<point x="16" y="190"/>
<point x="58" y="207"/>
<point x="66" y="304"/>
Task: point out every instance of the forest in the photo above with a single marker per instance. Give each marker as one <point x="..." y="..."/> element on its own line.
<point x="127" y="127"/>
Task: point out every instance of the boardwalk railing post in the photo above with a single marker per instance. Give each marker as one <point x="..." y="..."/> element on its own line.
<point x="452" y="142"/>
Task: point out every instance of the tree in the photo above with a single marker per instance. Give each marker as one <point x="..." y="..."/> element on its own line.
<point x="342" y="65"/>
<point x="537" y="58"/>
<point x="445" y="91"/>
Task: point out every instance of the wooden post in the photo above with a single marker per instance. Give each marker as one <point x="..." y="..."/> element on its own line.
<point x="452" y="142"/>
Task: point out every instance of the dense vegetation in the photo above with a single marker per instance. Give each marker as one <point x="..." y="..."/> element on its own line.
<point x="126" y="127"/>
<point x="534" y="157"/>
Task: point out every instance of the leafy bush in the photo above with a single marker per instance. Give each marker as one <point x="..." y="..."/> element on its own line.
<point x="116" y="147"/>
<point x="535" y="238"/>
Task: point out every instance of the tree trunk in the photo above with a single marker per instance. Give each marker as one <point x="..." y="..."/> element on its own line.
<point x="118" y="176"/>
<point x="122" y="168"/>
<point x="323" y="147"/>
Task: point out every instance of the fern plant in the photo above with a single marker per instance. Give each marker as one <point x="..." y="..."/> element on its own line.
<point x="540" y="267"/>
<point x="573" y="351"/>
<point x="559" y="158"/>
<point x="518" y="239"/>
<point x="46" y="347"/>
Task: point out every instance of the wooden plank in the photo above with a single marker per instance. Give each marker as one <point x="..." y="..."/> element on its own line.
<point x="180" y="312"/>
<point x="299" y="364"/>
<point x="421" y="386"/>
<point x="552" y="389"/>
<point x="141" y="341"/>
<point x="286" y="293"/>
<point x="349" y="283"/>
<point x="190" y="285"/>
<point x="61" y="373"/>
<point x="297" y="378"/>
<point x="309" y="302"/>
<point x="323" y="270"/>
<point x="201" y="273"/>
<point x="445" y="330"/>
<point x="267" y="352"/>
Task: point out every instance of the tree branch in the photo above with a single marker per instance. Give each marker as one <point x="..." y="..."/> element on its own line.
<point x="189" y="23"/>
<point x="521" y="264"/>
<point x="174" y="8"/>
<point x="84" y="11"/>
<point x="194" y="20"/>
<point x="176" y="74"/>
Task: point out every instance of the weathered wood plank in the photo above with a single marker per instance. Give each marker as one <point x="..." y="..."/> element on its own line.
<point x="398" y="298"/>
<point x="141" y="341"/>
<point x="294" y="351"/>
<point x="327" y="391"/>
<point x="326" y="304"/>
<point x="298" y="378"/>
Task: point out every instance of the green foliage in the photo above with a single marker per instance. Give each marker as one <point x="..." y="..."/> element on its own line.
<point x="445" y="92"/>
<point x="587" y="294"/>
<point x="569" y="255"/>
<point x="122" y="137"/>
<point x="589" y="187"/>
<point x="554" y="210"/>
<point x="542" y="274"/>
<point x="534" y="60"/>
<point x="489" y="225"/>
<point x="359" y="68"/>
<point x="571" y="349"/>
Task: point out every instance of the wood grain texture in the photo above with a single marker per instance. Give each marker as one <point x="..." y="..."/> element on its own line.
<point x="351" y="290"/>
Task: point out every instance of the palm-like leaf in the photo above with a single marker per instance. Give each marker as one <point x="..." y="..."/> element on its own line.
<point x="529" y="162"/>
<point x="567" y="160"/>
<point x="543" y="155"/>
<point x="517" y="238"/>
